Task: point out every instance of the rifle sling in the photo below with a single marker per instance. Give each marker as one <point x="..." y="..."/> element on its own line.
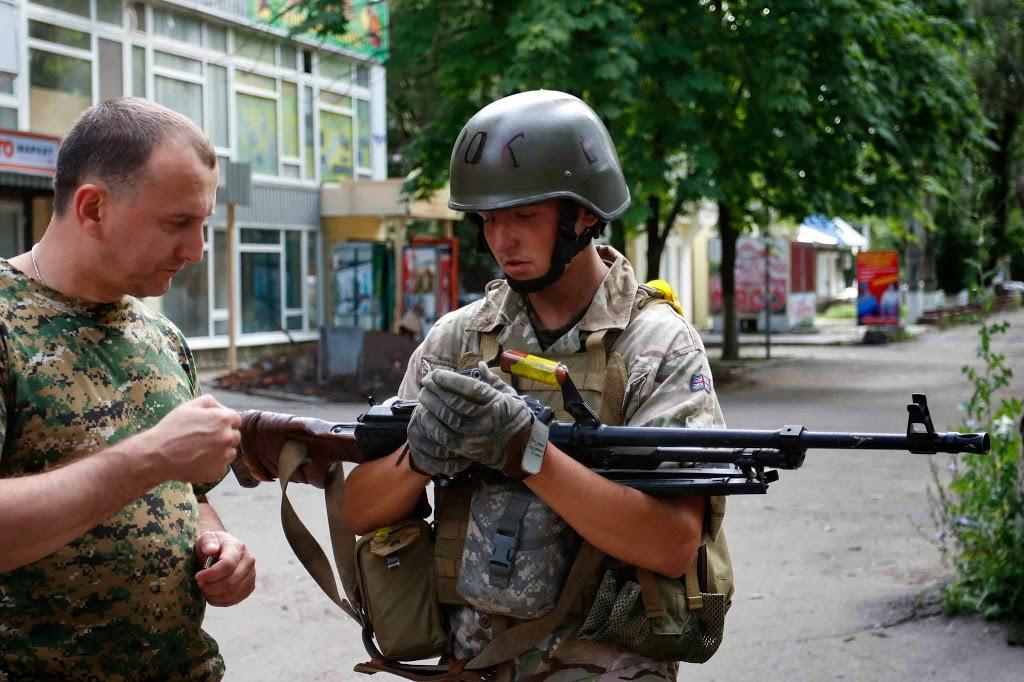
<point x="305" y="546"/>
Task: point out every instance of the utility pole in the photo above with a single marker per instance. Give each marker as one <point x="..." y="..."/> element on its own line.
<point x="767" y="298"/>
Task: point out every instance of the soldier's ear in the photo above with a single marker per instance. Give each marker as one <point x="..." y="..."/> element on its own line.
<point x="585" y="218"/>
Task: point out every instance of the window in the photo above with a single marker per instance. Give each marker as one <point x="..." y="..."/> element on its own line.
<point x="253" y="46"/>
<point x="307" y="117"/>
<point x="312" y="265"/>
<point x="257" y="133"/>
<point x="79" y="7"/>
<point x="187" y="302"/>
<point x="184" y="97"/>
<point x="137" y="17"/>
<point x="110" y="11"/>
<point x="362" y="75"/>
<point x="293" y="258"/>
<point x="220" y="271"/>
<point x="254" y="80"/>
<point x="173" y="61"/>
<point x="217" y="89"/>
<point x="261" y="291"/>
<point x="111" y="69"/>
<point x="138" y="71"/>
<point x="335" y="146"/>
<point x="8" y="118"/>
<point x="178" y="26"/>
<point x="335" y="68"/>
<point x="335" y="100"/>
<point x="288" y="56"/>
<point x="217" y="38"/>
<point x="60" y="88"/>
<point x="363" y="136"/>
<point x="59" y="35"/>
<point x="290" y="118"/>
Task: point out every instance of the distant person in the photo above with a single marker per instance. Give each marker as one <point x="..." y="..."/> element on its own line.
<point x="867" y="304"/>
<point x="890" y="302"/>
<point x="411" y="324"/>
<point x="103" y="536"/>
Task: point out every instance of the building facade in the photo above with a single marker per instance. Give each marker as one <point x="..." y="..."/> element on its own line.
<point x="302" y="112"/>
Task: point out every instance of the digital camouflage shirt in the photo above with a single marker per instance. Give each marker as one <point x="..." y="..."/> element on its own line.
<point x="668" y="384"/>
<point x="121" y="601"/>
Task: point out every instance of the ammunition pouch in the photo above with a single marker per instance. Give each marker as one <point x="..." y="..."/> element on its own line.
<point x="395" y="578"/>
<point x="517" y="552"/>
<point x="662" y="618"/>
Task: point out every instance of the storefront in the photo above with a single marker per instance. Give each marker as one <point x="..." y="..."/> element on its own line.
<point x="302" y="111"/>
<point x="27" y="164"/>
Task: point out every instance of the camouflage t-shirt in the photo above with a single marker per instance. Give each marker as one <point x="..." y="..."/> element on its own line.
<point x="668" y="384"/>
<point x="121" y="601"/>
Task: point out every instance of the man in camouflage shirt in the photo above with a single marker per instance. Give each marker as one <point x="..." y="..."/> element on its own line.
<point x="539" y="174"/>
<point x="103" y="537"/>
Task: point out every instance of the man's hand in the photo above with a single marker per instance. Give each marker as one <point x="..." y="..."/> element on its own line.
<point x="232" y="577"/>
<point x="195" y="442"/>
<point x="482" y="420"/>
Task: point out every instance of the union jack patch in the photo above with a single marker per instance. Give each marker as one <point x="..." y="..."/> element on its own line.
<point x="699" y="382"/>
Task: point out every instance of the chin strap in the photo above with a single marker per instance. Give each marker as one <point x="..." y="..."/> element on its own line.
<point x="567" y="245"/>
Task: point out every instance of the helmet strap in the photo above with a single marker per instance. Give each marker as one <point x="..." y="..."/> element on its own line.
<point x="567" y="245"/>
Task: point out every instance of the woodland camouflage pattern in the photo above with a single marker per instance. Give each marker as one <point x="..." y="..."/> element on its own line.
<point x="120" y="602"/>
<point x="662" y="354"/>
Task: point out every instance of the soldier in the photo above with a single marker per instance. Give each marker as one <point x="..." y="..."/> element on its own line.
<point x="539" y="175"/>
<point x="103" y="537"/>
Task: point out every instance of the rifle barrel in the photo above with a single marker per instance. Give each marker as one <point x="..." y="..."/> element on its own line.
<point x="570" y="436"/>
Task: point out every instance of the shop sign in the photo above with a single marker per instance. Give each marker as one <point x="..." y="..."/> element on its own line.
<point x="28" y="153"/>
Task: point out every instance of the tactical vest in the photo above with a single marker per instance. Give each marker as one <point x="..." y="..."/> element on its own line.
<point x="601" y="375"/>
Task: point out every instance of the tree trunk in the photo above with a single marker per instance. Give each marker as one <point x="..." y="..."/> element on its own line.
<point x="655" y="240"/>
<point x="1000" y="167"/>
<point x="730" y="330"/>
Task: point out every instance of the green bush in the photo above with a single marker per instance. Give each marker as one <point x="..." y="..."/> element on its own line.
<point x="980" y="511"/>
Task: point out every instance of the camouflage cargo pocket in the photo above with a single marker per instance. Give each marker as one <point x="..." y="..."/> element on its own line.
<point x="517" y="552"/>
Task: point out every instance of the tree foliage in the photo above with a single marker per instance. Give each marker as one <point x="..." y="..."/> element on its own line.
<point x="771" y="108"/>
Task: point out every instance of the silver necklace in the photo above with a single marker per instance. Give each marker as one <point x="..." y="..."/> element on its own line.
<point x="35" y="264"/>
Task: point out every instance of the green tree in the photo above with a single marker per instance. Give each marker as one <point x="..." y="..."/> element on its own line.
<point x="768" y="108"/>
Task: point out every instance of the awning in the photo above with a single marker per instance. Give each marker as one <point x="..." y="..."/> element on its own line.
<point x="819" y="229"/>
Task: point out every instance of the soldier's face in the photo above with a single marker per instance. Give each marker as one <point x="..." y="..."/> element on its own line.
<point x="155" y="230"/>
<point x="522" y="239"/>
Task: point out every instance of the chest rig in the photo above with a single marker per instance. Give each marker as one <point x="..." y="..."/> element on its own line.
<point x="600" y="375"/>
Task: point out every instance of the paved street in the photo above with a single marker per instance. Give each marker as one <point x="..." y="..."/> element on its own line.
<point x="834" y="568"/>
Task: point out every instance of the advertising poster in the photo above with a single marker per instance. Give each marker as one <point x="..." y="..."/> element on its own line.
<point x="750" y="280"/>
<point x="256" y="116"/>
<point x="878" y="288"/>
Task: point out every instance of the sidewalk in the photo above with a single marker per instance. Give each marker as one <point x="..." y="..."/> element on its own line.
<point x="825" y="333"/>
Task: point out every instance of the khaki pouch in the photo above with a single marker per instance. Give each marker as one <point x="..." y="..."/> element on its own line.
<point x="662" y="618"/>
<point x="394" y="570"/>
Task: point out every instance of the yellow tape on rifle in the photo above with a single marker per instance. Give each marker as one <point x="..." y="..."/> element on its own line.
<point x="537" y="368"/>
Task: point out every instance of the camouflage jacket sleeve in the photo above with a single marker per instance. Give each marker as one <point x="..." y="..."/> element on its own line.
<point x="5" y="391"/>
<point x="670" y="384"/>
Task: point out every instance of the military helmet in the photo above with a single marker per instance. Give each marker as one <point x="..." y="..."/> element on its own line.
<point x="535" y="146"/>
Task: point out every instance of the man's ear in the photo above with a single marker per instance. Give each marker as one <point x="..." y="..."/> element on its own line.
<point x="89" y="204"/>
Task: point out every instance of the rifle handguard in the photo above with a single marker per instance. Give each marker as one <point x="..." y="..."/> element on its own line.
<point x="265" y="433"/>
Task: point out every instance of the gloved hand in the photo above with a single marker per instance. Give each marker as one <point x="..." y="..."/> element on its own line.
<point x="430" y="451"/>
<point x="482" y="420"/>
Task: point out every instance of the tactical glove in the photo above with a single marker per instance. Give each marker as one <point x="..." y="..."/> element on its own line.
<point x="483" y="420"/>
<point x="430" y="451"/>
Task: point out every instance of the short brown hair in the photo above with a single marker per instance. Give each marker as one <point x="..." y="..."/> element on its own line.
<point x="112" y="142"/>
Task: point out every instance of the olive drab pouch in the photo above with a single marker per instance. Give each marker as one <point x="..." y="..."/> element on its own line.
<point x="394" y="571"/>
<point x="662" y="618"/>
<point x="517" y="552"/>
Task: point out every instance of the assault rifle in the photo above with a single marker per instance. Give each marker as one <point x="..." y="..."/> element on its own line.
<point x="650" y="459"/>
